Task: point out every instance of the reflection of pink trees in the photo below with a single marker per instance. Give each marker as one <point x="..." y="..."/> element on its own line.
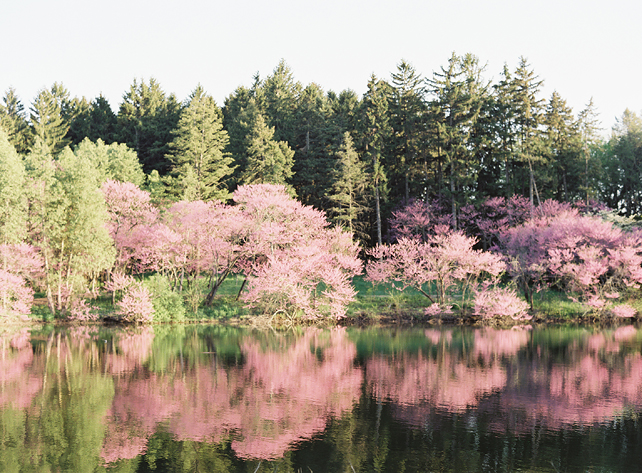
<point x="17" y="386"/>
<point x="449" y="381"/>
<point x="277" y="398"/>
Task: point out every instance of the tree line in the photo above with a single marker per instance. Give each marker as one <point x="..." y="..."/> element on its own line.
<point x="454" y="136"/>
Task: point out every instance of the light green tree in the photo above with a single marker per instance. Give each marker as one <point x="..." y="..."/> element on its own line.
<point x="67" y="221"/>
<point x="197" y="153"/>
<point x="14" y="121"/>
<point x="114" y="161"/>
<point x="13" y="198"/>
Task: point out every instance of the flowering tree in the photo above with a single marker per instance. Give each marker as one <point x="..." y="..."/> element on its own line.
<point x="586" y="256"/>
<point x="294" y="261"/>
<point x="130" y="213"/>
<point x="447" y="259"/>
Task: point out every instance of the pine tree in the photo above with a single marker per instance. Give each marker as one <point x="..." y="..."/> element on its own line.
<point x="589" y="126"/>
<point x="14" y="121"/>
<point x="315" y="139"/>
<point x="407" y="115"/>
<point x="47" y="118"/>
<point x="458" y="98"/>
<point x="349" y="190"/>
<point x="146" y="119"/>
<point x="563" y="143"/>
<point x="198" y="148"/>
<point x="268" y="161"/>
<point x="528" y="120"/>
<point x="375" y="133"/>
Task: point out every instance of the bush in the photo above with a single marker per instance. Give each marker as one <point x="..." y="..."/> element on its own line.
<point x="168" y="305"/>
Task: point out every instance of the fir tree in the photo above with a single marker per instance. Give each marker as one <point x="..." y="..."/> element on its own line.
<point x="197" y="152"/>
<point x="268" y="161"/>
<point x="349" y="190"/>
<point x="14" y="121"/>
<point x="47" y="119"/>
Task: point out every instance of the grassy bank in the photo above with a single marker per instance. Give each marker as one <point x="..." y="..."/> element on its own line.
<point x="374" y="304"/>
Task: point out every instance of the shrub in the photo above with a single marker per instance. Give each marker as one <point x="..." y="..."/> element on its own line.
<point x="168" y="305"/>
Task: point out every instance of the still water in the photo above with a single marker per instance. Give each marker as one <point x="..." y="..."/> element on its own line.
<point x="219" y="399"/>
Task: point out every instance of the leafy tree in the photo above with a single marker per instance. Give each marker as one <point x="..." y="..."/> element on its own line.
<point x="14" y="121"/>
<point x="198" y="149"/>
<point x="67" y="221"/>
<point x="114" y="161"/>
<point x="349" y="190"/>
<point x="446" y="259"/>
<point x="290" y="251"/>
<point x="146" y="119"/>
<point x="268" y="160"/>
<point x="13" y="197"/>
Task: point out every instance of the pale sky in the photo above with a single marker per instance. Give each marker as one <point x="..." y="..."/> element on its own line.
<point x="582" y="49"/>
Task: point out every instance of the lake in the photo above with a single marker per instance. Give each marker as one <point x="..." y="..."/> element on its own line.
<point x="213" y="398"/>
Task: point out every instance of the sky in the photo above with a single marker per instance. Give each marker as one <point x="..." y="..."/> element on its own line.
<point x="581" y="49"/>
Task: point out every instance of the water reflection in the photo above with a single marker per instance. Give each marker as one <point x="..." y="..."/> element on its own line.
<point x="82" y="398"/>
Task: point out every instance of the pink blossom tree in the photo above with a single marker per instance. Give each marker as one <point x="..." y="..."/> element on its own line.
<point x="20" y="265"/>
<point x="131" y="213"/>
<point x="447" y="260"/>
<point x="294" y="262"/>
<point x="589" y="258"/>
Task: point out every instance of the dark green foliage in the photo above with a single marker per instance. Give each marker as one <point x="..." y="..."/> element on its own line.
<point x="146" y="119"/>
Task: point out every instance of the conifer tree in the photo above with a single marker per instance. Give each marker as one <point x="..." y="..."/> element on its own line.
<point x="407" y="113"/>
<point x="14" y="121"/>
<point x="563" y="149"/>
<point x="458" y="97"/>
<point x="146" y="119"/>
<point x="197" y="152"/>
<point x="589" y="126"/>
<point x="349" y="190"/>
<point x="268" y="161"/>
<point x="528" y="120"/>
<point x="47" y="119"/>
<point x="375" y="132"/>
